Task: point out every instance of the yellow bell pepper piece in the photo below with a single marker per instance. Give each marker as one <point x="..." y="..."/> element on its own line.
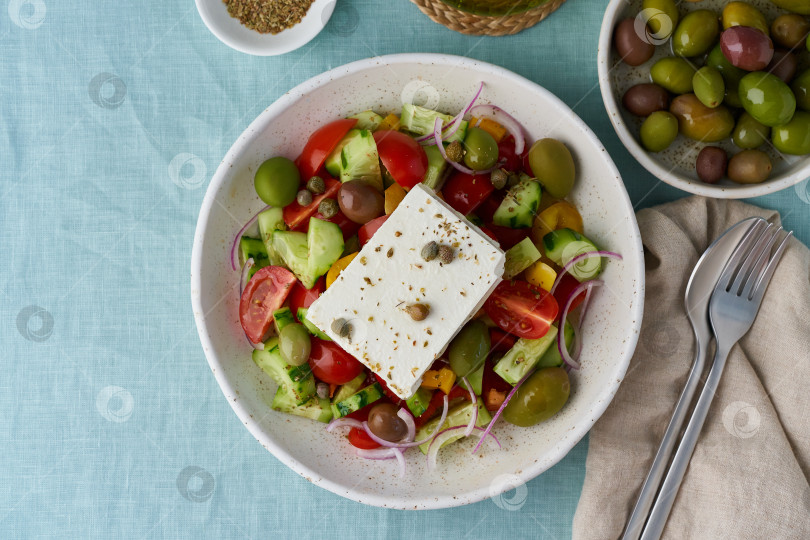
<point x="390" y="123"/>
<point x="561" y="215"/>
<point x="541" y="275"/>
<point x="337" y="268"/>
<point x="393" y="196"/>
<point x="492" y="127"/>
<point x="442" y="379"/>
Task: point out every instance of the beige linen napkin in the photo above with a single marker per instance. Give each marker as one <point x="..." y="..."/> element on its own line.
<point x="748" y="477"/>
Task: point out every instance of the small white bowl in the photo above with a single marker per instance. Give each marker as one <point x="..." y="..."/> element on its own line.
<point x="327" y="459"/>
<point x="234" y="34"/>
<point x="676" y="164"/>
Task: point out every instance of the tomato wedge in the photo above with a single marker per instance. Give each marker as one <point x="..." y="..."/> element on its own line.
<point x="404" y="158"/>
<point x="465" y="192"/>
<point x="301" y="297"/>
<point x="493" y="388"/>
<point x="506" y="236"/>
<point x="521" y="309"/>
<point x="500" y="340"/>
<point x="360" y="439"/>
<point x="367" y="231"/>
<point x="297" y="217"/>
<point x="264" y="293"/>
<point x="320" y="145"/>
<point x="331" y="364"/>
<point x="506" y="151"/>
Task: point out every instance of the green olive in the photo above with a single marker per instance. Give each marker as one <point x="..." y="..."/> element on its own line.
<point x="796" y="6"/>
<point x="661" y="24"/>
<point x="674" y="74"/>
<point x="277" y="181"/>
<point x="699" y="122"/>
<point x="709" y="86"/>
<point x="540" y="397"/>
<point x="481" y="150"/>
<point x="732" y="98"/>
<point x="748" y="133"/>
<point x="801" y="90"/>
<point x="731" y="73"/>
<point x="749" y="167"/>
<point x="553" y="166"/>
<point x="767" y="98"/>
<point x="469" y="348"/>
<point x="744" y="14"/>
<point x="658" y="131"/>
<point x="294" y="344"/>
<point x="793" y="137"/>
<point x="696" y="33"/>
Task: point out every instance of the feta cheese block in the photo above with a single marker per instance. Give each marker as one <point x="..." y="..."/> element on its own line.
<point x="366" y="310"/>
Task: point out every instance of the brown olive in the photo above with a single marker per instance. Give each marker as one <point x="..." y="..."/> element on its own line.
<point x="385" y="424"/>
<point x="783" y="65"/>
<point x="360" y="202"/>
<point x="633" y="50"/>
<point x="711" y="164"/>
<point x="790" y="30"/>
<point x="749" y="167"/>
<point x="645" y="99"/>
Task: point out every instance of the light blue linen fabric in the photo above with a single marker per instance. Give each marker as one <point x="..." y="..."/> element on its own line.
<point x="113" y="117"/>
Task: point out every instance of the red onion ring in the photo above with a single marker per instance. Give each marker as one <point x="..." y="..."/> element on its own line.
<point x="567" y="357"/>
<point x="433" y="449"/>
<point x="406" y="417"/>
<point x="376" y="453"/>
<point x="234" y="261"/>
<point x="243" y="280"/>
<point x="409" y="444"/>
<point x="455" y="123"/>
<point x="344" y="422"/>
<point x="506" y="120"/>
<point x="401" y="460"/>
<point x="500" y="410"/>
<point x="474" y="400"/>
<point x="581" y="257"/>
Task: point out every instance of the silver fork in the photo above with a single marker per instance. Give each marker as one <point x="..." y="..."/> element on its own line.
<point x="733" y="307"/>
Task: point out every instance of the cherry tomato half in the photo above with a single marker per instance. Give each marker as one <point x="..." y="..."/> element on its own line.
<point x="521" y="309"/>
<point x="465" y="192"/>
<point x="331" y="364"/>
<point x="367" y="231"/>
<point x="264" y="293"/>
<point x="404" y="158"/>
<point x="301" y="297"/>
<point x="297" y="217"/>
<point x="320" y="144"/>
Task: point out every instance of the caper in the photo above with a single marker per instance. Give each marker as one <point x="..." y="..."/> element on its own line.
<point x="499" y="178"/>
<point x="328" y="208"/>
<point x="316" y="185"/>
<point x="304" y="198"/>
<point x="454" y="151"/>
<point x="430" y="251"/>
<point x="446" y="254"/>
<point x="342" y="327"/>
<point x="513" y="179"/>
<point x="418" y="312"/>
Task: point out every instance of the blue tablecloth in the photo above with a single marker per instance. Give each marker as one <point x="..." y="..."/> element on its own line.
<point x="114" y="117"/>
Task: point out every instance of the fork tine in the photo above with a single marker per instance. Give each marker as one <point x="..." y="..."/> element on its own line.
<point x="762" y="283"/>
<point x="755" y="262"/>
<point x="739" y="253"/>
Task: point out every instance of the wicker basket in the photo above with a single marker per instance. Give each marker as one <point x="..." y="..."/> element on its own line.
<point x="485" y="25"/>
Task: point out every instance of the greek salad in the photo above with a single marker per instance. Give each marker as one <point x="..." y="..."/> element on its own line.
<point x="417" y="276"/>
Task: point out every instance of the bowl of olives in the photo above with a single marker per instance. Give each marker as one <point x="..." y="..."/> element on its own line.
<point x="713" y="96"/>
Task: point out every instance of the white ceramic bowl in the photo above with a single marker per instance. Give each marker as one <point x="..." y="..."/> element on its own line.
<point x="676" y="164"/>
<point x="326" y="459"/>
<point x="232" y="33"/>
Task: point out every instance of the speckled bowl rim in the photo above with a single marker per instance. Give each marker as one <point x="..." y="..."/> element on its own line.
<point x="253" y="131"/>
<point x="675" y="179"/>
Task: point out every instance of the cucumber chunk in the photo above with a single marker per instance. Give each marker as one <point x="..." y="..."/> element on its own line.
<point x="459" y="415"/>
<point x="311" y="328"/>
<point x="367" y="120"/>
<point x="418" y="403"/>
<point x="270" y="221"/>
<point x="476" y="379"/>
<point x="349" y="388"/>
<point x="520" y="205"/>
<point x="434" y="177"/>
<point x="563" y="245"/>
<point x="421" y="121"/>
<point x="282" y="317"/>
<point x="253" y="248"/>
<point x="524" y="355"/>
<point x="519" y="257"/>
<point x="291" y="247"/>
<point x="324" y="248"/>
<point x="315" y="408"/>
<point x="332" y="163"/>
<point x="296" y="381"/>
<point x="357" y="401"/>
<point x="552" y="357"/>
<point x="359" y="160"/>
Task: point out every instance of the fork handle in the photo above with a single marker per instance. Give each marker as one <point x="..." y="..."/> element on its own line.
<point x="672" y="482"/>
<point x="659" y="466"/>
